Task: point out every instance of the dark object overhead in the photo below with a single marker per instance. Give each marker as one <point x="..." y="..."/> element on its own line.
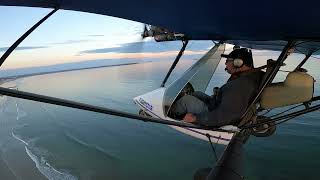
<point x="247" y="20"/>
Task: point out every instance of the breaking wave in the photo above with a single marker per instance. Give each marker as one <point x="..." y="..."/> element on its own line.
<point x="43" y="166"/>
<point x="47" y="170"/>
<point x="19" y="138"/>
<point x="20" y="113"/>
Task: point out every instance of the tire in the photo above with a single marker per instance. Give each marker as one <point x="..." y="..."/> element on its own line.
<point x="264" y="130"/>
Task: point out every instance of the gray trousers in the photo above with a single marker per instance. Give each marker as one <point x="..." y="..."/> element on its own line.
<point x="188" y="104"/>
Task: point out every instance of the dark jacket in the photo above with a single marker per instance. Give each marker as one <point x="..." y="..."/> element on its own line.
<point x="233" y="99"/>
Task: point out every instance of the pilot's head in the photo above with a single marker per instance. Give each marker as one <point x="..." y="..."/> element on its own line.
<point x="239" y="60"/>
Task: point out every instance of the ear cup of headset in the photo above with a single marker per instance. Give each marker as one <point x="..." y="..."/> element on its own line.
<point x="237" y="62"/>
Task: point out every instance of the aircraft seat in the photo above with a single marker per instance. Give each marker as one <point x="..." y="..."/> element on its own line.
<point x="297" y="88"/>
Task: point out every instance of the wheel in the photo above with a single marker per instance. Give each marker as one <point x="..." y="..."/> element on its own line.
<point x="264" y="130"/>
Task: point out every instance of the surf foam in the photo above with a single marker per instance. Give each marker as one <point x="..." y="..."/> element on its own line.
<point x="47" y="170"/>
<point x="19" y="139"/>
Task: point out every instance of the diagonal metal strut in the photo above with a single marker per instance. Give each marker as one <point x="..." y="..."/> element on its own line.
<point x="282" y="57"/>
<point x="26" y="34"/>
<point x="184" y="45"/>
<point x="88" y="107"/>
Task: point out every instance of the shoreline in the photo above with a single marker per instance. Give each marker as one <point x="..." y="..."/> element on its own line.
<point x="12" y="78"/>
<point x="16" y="161"/>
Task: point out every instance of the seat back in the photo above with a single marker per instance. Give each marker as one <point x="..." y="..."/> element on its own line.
<point x="297" y="88"/>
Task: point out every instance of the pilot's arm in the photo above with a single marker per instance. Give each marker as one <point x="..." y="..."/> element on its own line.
<point x="209" y="100"/>
<point x="234" y="100"/>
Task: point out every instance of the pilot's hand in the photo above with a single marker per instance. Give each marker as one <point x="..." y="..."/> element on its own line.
<point x="190" y="118"/>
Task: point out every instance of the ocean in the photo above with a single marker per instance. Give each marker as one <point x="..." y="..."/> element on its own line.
<point x="65" y="143"/>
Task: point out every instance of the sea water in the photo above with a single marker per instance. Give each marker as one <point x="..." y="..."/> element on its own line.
<point x="67" y="143"/>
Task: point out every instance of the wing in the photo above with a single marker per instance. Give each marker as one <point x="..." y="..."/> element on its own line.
<point x="247" y="21"/>
<point x="302" y="47"/>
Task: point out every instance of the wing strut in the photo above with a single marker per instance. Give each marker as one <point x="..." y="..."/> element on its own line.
<point x="230" y="166"/>
<point x="87" y="107"/>
<point x="26" y="34"/>
<point x="303" y="61"/>
<point x="283" y="56"/>
<point x="185" y="43"/>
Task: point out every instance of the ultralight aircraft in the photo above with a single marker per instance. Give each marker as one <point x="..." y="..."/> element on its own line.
<point x="271" y="25"/>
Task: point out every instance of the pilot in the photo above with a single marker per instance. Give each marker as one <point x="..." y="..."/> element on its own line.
<point x="230" y="101"/>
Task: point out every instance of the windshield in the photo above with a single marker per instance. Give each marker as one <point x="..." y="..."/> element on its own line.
<point x="198" y="75"/>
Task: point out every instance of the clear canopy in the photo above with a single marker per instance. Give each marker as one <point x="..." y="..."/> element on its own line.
<point x="198" y="75"/>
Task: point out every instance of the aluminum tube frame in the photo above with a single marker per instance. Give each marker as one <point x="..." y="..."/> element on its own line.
<point x="88" y="107"/>
<point x="303" y="61"/>
<point x="184" y="45"/>
<point x="291" y="115"/>
<point x="282" y="57"/>
<point x="231" y="164"/>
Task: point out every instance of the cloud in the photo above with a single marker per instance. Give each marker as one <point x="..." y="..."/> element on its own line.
<point x="265" y="53"/>
<point x="72" y="41"/>
<point x="151" y="47"/>
<point x="23" y="48"/>
<point x="96" y="35"/>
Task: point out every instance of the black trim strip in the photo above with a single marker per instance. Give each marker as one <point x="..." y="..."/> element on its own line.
<point x="225" y="139"/>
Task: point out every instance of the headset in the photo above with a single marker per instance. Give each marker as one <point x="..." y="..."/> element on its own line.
<point x="238" y="62"/>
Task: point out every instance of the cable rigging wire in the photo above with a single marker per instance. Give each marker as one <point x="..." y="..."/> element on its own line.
<point x="280" y="122"/>
<point x="212" y="147"/>
<point x="267" y="111"/>
<point x="286" y="110"/>
<point x="283" y="118"/>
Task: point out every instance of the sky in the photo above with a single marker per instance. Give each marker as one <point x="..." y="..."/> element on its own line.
<point x="62" y="36"/>
<point x="70" y="36"/>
